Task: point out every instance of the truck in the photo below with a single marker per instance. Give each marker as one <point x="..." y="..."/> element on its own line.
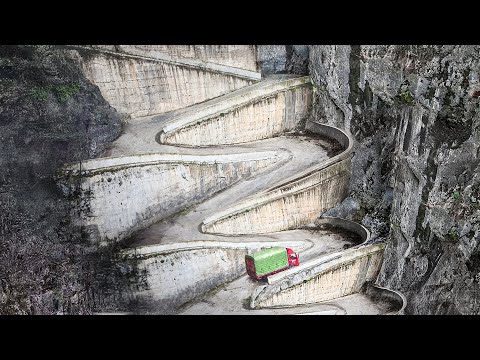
<point x="270" y="261"/>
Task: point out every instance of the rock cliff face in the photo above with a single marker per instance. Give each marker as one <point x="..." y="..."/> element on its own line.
<point x="50" y="114"/>
<point x="414" y="111"/>
<point x="282" y="59"/>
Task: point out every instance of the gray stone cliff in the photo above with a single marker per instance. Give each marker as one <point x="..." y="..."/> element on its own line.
<point x="50" y="114"/>
<point x="414" y="111"/>
<point x="282" y="59"/>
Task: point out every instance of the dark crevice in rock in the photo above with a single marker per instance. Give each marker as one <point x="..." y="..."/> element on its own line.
<point x="356" y="94"/>
<point x="408" y="135"/>
<point x="423" y="132"/>
<point x="431" y="173"/>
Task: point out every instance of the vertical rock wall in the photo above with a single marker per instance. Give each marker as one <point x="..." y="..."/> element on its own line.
<point x="414" y="111"/>
<point x="280" y="59"/>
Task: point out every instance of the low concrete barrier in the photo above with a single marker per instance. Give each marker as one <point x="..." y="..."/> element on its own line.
<point x="392" y="301"/>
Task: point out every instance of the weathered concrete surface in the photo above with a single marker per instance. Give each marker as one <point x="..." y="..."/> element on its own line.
<point x="326" y="277"/>
<point x="283" y="210"/>
<point x="237" y="56"/>
<point x="183" y="228"/>
<point x="231" y="298"/>
<point x="305" y="153"/>
<point x="179" y="272"/>
<point x="359" y="277"/>
<point x="393" y="301"/>
<point x="362" y="236"/>
<point x="117" y="196"/>
<point x="334" y="278"/>
<point x="134" y="195"/>
<point x="258" y="112"/>
<point x="293" y="202"/>
<point x="143" y="134"/>
<point x="142" y="86"/>
<point x="235" y="297"/>
<point x="164" y="57"/>
<point x="415" y="112"/>
<point x="265" y="111"/>
<point x="309" y="242"/>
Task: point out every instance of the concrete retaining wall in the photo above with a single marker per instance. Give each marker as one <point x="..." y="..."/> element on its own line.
<point x="341" y="224"/>
<point x="177" y="273"/>
<point x="286" y="210"/>
<point x="332" y="276"/>
<point x="264" y="112"/>
<point x="237" y="56"/>
<point x="296" y="201"/>
<point x="337" y="276"/>
<point x="143" y="86"/>
<point x="117" y="196"/>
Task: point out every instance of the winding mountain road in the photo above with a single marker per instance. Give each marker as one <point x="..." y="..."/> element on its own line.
<point x="300" y="151"/>
<point x="274" y="173"/>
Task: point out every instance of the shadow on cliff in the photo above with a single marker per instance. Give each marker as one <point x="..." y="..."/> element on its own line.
<point x="51" y="114"/>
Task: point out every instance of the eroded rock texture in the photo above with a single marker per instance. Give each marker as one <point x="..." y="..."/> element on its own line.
<point x="414" y="111"/>
<point x="50" y="114"/>
<point x="282" y="59"/>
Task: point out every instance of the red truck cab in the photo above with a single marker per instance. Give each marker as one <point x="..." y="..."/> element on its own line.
<point x="292" y="257"/>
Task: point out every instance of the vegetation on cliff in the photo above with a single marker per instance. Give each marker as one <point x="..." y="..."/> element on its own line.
<point x="50" y="114"/>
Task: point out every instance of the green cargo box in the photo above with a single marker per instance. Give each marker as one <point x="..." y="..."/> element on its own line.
<point x="269" y="260"/>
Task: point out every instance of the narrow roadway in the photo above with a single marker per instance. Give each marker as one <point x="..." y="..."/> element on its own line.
<point x="302" y="153"/>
